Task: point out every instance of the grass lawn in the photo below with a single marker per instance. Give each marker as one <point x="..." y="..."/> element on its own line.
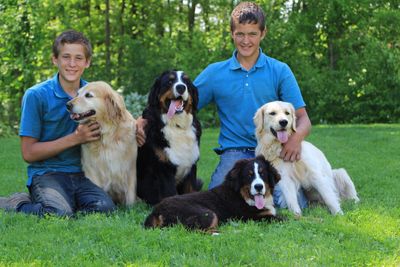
<point x="367" y="235"/>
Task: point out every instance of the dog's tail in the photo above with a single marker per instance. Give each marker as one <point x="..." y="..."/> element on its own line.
<point x="344" y="185"/>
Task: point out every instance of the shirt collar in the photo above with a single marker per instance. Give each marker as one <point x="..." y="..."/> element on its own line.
<point x="59" y="91"/>
<point x="235" y="64"/>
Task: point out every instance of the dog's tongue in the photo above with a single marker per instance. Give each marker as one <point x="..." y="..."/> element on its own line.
<point x="260" y="201"/>
<point x="282" y="136"/>
<point x="74" y="116"/>
<point x="173" y="107"/>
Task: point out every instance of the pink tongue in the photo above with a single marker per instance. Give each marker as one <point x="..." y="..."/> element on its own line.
<point x="260" y="201"/>
<point x="282" y="136"/>
<point x="171" y="109"/>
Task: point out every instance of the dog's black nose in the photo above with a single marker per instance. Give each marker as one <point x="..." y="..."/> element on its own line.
<point x="283" y="123"/>
<point x="69" y="106"/>
<point x="180" y="88"/>
<point x="258" y="187"/>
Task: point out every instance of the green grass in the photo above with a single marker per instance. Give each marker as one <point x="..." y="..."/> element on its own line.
<point x="367" y="235"/>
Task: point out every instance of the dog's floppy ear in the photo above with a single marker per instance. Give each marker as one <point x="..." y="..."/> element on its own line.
<point x="293" y="112"/>
<point x="152" y="99"/>
<point x="194" y="93"/>
<point x="113" y="106"/>
<point x="259" y="121"/>
<point x="232" y="179"/>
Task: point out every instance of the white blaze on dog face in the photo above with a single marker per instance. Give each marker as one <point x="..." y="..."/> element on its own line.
<point x="179" y="85"/>
<point x="257" y="189"/>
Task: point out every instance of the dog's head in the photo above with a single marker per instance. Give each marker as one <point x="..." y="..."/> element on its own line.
<point x="97" y="101"/>
<point x="277" y="119"/>
<point x="173" y="93"/>
<point x="255" y="180"/>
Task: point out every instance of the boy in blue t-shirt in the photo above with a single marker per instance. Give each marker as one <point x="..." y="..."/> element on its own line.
<point x="50" y="139"/>
<point x="240" y="85"/>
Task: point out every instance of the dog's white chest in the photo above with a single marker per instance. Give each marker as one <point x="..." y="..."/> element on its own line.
<point x="183" y="150"/>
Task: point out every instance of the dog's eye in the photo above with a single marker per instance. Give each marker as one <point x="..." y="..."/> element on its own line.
<point x="272" y="113"/>
<point x="87" y="95"/>
<point x="287" y="113"/>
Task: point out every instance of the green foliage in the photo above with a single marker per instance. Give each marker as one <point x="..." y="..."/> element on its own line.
<point x="367" y="235"/>
<point x="135" y="103"/>
<point x="344" y="54"/>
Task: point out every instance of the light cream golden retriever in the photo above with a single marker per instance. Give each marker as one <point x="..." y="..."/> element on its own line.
<point x="111" y="161"/>
<point x="275" y="122"/>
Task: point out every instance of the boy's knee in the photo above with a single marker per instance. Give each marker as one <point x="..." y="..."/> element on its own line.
<point x="103" y="206"/>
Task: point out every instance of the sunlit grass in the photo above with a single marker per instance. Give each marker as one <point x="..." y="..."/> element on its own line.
<point x="367" y="235"/>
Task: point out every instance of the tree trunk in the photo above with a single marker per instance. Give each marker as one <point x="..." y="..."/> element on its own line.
<point x="107" y="37"/>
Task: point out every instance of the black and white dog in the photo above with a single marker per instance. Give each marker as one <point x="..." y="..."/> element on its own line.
<point x="166" y="163"/>
<point x="246" y="194"/>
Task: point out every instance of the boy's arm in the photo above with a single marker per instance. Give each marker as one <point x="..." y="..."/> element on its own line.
<point x="33" y="150"/>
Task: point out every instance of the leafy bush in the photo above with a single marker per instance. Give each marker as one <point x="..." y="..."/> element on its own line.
<point x="135" y="103"/>
<point x="6" y="130"/>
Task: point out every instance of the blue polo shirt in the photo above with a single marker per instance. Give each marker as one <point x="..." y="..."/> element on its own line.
<point x="44" y="116"/>
<point x="238" y="94"/>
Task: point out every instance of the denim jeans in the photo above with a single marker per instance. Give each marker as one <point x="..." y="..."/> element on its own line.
<point x="228" y="159"/>
<point x="64" y="194"/>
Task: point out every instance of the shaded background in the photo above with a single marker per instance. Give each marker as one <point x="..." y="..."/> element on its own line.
<point x="345" y="54"/>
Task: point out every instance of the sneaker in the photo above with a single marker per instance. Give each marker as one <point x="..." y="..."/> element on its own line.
<point x="13" y="202"/>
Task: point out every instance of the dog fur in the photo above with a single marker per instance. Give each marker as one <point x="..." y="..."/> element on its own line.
<point x="109" y="162"/>
<point x="275" y="122"/>
<point x="245" y="194"/>
<point x="167" y="160"/>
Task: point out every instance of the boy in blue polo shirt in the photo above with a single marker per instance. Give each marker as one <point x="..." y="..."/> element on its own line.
<point x="240" y="85"/>
<point x="50" y="139"/>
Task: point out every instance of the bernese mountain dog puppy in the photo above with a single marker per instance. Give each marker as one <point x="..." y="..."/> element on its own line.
<point x="246" y="194"/>
<point x="166" y="163"/>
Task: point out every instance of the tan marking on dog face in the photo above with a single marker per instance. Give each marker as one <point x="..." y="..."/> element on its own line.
<point x="245" y="192"/>
<point x="164" y="99"/>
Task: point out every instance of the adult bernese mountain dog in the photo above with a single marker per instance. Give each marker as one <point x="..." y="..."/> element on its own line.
<point x="166" y="163"/>
<point x="245" y="194"/>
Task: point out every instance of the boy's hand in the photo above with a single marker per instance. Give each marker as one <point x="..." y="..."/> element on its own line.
<point x="140" y="134"/>
<point x="88" y="132"/>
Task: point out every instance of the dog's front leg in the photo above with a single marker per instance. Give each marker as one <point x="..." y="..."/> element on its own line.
<point x="289" y="192"/>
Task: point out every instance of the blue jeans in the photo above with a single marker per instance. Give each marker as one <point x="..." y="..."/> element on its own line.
<point x="64" y="194"/>
<point x="228" y="159"/>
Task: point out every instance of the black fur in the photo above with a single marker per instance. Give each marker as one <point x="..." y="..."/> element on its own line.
<point x="155" y="173"/>
<point x="205" y="210"/>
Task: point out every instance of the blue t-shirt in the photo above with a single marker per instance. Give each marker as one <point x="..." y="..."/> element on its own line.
<point x="44" y="116"/>
<point x="238" y="94"/>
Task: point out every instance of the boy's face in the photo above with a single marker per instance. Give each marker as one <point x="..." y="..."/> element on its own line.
<point x="247" y="38"/>
<point x="71" y="62"/>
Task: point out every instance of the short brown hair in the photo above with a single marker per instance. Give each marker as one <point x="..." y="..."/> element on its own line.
<point x="72" y="37"/>
<point x="248" y="12"/>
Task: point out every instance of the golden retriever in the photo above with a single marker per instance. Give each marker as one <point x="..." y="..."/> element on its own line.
<point x="275" y="122"/>
<point x="109" y="162"/>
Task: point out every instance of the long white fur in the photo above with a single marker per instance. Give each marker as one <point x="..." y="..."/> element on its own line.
<point x="312" y="171"/>
<point x="183" y="150"/>
<point x="111" y="161"/>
